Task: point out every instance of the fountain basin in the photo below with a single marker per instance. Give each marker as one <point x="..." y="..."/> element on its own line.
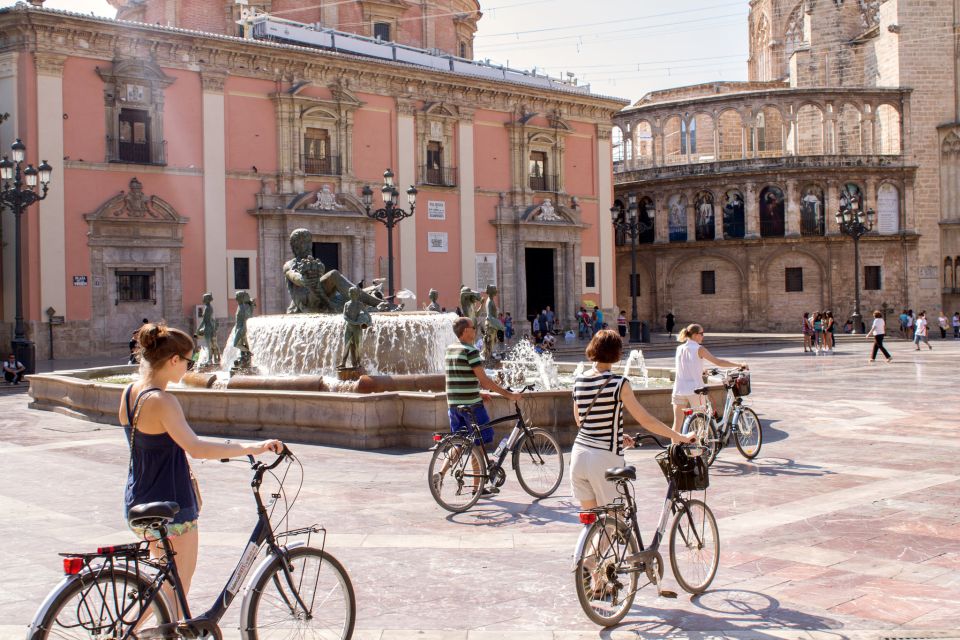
<point x="361" y="421"/>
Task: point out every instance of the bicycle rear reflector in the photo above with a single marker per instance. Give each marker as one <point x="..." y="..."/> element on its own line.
<point x="437" y="437"/>
<point x="72" y="566"/>
<point x="586" y="517"/>
<point x="688" y="412"/>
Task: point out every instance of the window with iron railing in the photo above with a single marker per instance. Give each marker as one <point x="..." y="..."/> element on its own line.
<point x="132" y="142"/>
<point x="136" y="286"/>
<point x="438" y="176"/>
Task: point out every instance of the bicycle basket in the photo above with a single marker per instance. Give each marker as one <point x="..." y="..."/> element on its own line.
<point x="689" y="474"/>
<point x="741" y="386"/>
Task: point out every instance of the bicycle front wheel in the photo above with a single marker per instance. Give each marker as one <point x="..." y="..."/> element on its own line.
<point x="317" y="600"/>
<point x="748" y="434"/>
<point x="456" y="474"/>
<point x="694" y="547"/>
<point x="606" y="584"/>
<point x="700" y="424"/>
<point x="538" y="462"/>
<point x="104" y="604"/>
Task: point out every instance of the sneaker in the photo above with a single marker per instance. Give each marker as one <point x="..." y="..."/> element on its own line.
<point x="489" y="490"/>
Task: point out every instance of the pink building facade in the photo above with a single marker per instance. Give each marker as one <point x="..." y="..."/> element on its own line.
<point x="184" y="159"/>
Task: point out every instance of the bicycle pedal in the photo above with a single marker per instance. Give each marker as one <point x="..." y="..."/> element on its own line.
<point x="667" y="594"/>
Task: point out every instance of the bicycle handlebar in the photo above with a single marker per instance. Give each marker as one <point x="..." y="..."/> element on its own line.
<point x="692" y="449"/>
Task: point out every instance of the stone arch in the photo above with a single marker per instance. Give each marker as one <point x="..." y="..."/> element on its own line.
<point x="672" y="131"/>
<point x="768" y="131"/>
<point x="781" y="308"/>
<point x="888" y="129"/>
<point x="849" y="130"/>
<point x="684" y="298"/>
<point x="617" y="146"/>
<point x="810" y="129"/>
<point x="643" y="142"/>
<point x="730" y="134"/>
<point x="703" y="137"/>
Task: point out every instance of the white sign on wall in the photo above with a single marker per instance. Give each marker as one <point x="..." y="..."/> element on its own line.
<point x="437" y="242"/>
<point x="888" y="209"/>
<point x="436" y="131"/>
<point x="486" y="270"/>
<point x="436" y="210"/>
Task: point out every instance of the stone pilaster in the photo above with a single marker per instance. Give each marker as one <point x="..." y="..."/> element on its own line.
<point x="214" y="186"/>
<point x="406" y="176"/>
<point x="8" y="133"/>
<point x="691" y="212"/>
<point x="751" y="212"/>
<point x="53" y="243"/>
<point x="661" y="224"/>
<point x="608" y="296"/>
<point x="832" y="205"/>
<point x="792" y="210"/>
<point x="467" y="182"/>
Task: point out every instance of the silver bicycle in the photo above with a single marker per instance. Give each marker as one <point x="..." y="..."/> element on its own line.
<point x="714" y="429"/>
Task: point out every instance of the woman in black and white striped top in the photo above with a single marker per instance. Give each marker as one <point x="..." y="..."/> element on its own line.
<point x="599" y="398"/>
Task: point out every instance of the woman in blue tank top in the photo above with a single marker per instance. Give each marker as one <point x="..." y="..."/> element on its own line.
<point x="160" y="439"/>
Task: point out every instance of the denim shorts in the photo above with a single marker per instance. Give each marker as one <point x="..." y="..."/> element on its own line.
<point x="459" y="422"/>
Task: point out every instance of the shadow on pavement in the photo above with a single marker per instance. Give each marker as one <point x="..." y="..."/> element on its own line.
<point x="766" y="467"/>
<point x="497" y="512"/>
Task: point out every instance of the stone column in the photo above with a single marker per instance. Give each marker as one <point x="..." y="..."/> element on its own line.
<point x="792" y="210"/>
<point x="868" y="143"/>
<point x="661" y="224"/>
<point x="751" y="212"/>
<point x="691" y="216"/>
<point x="832" y="205"/>
<point x="608" y="255"/>
<point x="717" y="218"/>
<point x="405" y="176"/>
<point x="468" y="228"/>
<point x="358" y="272"/>
<point x="214" y="186"/>
<point x="870" y="194"/>
<point x="53" y="241"/>
<point x="8" y="133"/>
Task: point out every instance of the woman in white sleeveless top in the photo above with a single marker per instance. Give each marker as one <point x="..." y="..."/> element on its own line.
<point x="599" y="398"/>
<point x="689" y="366"/>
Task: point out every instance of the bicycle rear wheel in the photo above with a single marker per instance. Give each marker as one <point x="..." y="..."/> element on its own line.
<point x="323" y="586"/>
<point x="456" y="474"/>
<point x="701" y="425"/>
<point x="93" y="605"/>
<point x="748" y="434"/>
<point x="606" y="584"/>
<point x="694" y="547"/>
<point x="538" y="462"/>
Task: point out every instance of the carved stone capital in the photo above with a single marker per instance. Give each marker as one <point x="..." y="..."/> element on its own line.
<point x="466" y="113"/>
<point x="8" y="64"/>
<point x="406" y="106"/>
<point x="213" y="81"/>
<point x="49" y="64"/>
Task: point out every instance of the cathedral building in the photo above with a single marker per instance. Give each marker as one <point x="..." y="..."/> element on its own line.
<point x="848" y="104"/>
<point x="188" y="139"/>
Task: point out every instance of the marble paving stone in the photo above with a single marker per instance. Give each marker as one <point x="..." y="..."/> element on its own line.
<point x="847" y="526"/>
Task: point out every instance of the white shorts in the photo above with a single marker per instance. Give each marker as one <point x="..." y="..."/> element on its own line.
<point x="587" y="466"/>
<point x="690" y="400"/>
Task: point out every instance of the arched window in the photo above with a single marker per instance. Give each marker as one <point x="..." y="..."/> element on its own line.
<point x="616" y="139"/>
<point x="812" y="218"/>
<point x="646" y="214"/>
<point x="705" y="216"/>
<point x="672" y="135"/>
<point x="683" y="137"/>
<point x="730" y="135"/>
<point x="771" y="213"/>
<point x="733" y="220"/>
<point x="644" y="148"/>
<point x="677" y="221"/>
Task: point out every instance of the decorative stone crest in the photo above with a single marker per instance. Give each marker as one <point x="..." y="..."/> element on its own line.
<point x="326" y="200"/>
<point x="135" y="205"/>
<point x="546" y="213"/>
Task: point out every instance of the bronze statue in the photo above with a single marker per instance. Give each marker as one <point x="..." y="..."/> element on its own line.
<point x="491" y="323"/>
<point x="434" y="305"/>
<point x="244" y="312"/>
<point x="208" y="331"/>
<point x="470" y="303"/>
<point x="357" y="319"/>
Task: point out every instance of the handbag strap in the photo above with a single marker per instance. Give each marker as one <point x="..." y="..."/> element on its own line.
<point x="586" y="414"/>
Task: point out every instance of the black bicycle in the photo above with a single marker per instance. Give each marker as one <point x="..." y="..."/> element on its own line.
<point x="296" y="591"/>
<point x="610" y="556"/>
<point x="460" y="470"/>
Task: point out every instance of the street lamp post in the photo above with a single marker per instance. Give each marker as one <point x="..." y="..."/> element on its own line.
<point x="855" y="223"/>
<point x="18" y="192"/>
<point x="631" y="225"/>
<point x="390" y="215"/>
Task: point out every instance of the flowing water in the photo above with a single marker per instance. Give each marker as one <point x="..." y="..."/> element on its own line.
<point x="635" y="360"/>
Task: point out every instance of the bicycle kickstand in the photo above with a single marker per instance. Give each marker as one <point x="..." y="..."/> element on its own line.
<point x="651" y="561"/>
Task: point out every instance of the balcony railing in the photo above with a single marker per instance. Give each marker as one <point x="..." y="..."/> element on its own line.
<point x="438" y="176"/>
<point x="641" y="169"/>
<point x="136" y="152"/>
<point x="544" y="183"/>
<point x="320" y="166"/>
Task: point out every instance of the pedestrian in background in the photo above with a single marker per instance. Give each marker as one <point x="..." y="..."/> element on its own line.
<point x="817" y="332"/>
<point x="903" y="323"/>
<point x="807" y="329"/>
<point x="920" y="331"/>
<point x="956" y="325"/>
<point x="942" y="321"/>
<point x="828" y="328"/>
<point x="878" y="330"/>
<point x="508" y="326"/>
<point x="671" y="323"/>
<point x="622" y="324"/>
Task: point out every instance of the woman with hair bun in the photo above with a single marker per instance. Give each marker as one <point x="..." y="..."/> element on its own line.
<point x="599" y="398"/>
<point x="160" y="439"/>
<point x="688" y="364"/>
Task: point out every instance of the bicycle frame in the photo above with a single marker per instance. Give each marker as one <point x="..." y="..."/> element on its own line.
<point x="519" y="430"/>
<point x="729" y="417"/>
<point x="206" y="624"/>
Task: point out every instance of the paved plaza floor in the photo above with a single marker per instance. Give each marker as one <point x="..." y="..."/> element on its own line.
<point x="846" y="526"/>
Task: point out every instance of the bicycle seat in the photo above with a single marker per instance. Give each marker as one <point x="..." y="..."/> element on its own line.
<point x="621" y="473"/>
<point x="151" y="513"/>
<point x="701" y="391"/>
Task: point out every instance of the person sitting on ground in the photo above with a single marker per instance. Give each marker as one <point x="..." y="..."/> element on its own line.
<point x="599" y="398"/>
<point x="549" y="341"/>
<point x="464" y="377"/>
<point x="688" y="363"/>
<point x="13" y="370"/>
<point x="159" y="439"/>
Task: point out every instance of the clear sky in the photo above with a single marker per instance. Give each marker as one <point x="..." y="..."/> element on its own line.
<point x="622" y="48"/>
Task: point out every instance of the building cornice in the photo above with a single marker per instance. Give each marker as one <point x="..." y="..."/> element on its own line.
<point x="44" y="30"/>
